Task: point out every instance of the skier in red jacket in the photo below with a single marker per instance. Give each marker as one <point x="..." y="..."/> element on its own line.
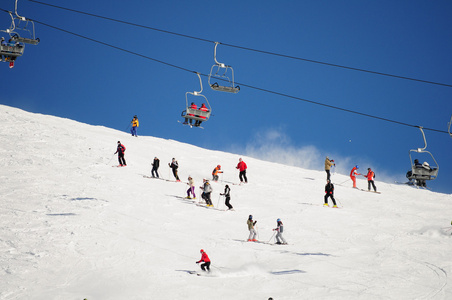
<point x="370" y="179"/>
<point x="242" y="168"/>
<point x="120" y="150"/>
<point x="206" y="261"/>
<point x="353" y="174"/>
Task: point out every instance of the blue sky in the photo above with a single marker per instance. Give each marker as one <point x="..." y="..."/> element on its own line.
<point x="75" y="78"/>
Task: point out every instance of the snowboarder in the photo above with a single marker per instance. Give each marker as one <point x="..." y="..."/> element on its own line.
<point x="207" y="190"/>
<point x="205" y="260"/>
<point x="353" y="174"/>
<point x="174" y="166"/>
<point x="155" y="167"/>
<point x="135" y="124"/>
<point x="227" y="194"/>
<point x="328" y="164"/>
<point x="191" y="189"/>
<point x="215" y="173"/>
<point x="279" y="230"/>
<point x="242" y="168"/>
<point x="370" y="179"/>
<point x="253" y="232"/>
<point x="120" y="150"/>
<point x="329" y="192"/>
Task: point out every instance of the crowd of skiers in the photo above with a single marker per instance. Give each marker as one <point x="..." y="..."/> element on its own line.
<point x="206" y="189"/>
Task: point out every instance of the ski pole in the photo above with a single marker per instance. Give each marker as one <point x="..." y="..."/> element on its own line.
<point x="344" y="182"/>
<point x="201" y="192"/>
<point x="339" y="202"/>
<point x="110" y="159"/>
<point x="271" y="237"/>
<point x="218" y="203"/>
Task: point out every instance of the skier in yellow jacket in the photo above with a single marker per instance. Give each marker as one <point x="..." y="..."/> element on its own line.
<point x="135" y="124"/>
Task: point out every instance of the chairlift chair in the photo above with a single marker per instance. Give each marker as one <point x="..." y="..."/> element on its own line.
<point x="196" y="114"/>
<point x="22" y="24"/>
<point x="418" y="172"/>
<point x="220" y="72"/>
<point x="11" y="52"/>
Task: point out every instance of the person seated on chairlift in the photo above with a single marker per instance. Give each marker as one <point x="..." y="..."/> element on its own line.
<point x="202" y="108"/>
<point x="426" y="166"/>
<point x="417" y="164"/>
<point x="192" y="106"/>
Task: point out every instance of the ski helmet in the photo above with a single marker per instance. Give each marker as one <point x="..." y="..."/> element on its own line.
<point x="279" y="220"/>
<point x="357" y="167"/>
<point x="201" y="251"/>
<point x="250" y="217"/>
<point x="219" y="167"/>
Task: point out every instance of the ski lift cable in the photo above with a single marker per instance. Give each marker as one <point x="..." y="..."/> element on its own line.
<point x="250" y="49"/>
<point x="242" y="84"/>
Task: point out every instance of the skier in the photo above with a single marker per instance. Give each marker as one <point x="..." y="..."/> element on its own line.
<point x="205" y="260"/>
<point x="191" y="189"/>
<point x="174" y="166"/>
<point x="353" y="174"/>
<point x="215" y="173"/>
<point x="207" y="190"/>
<point x="370" y="179"/>
<point x="328" y="164"/>
<point x="253" y="232"/>
<point x="279" y="229"/>
<point x="192" y="106"/>
<point x="120" y="150"/>
<point x="329" y="192"/>
<point x="242" y="168"/>
<point x="155" y="167"/>
<point x="227" y="194"/>
<point x="202" y="108"/>
<point x="135" y="124"/>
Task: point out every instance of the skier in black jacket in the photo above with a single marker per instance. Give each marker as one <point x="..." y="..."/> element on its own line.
<point x="329" y="192"/>
<point x="174" y="166"/>
<point x="120" y="150"/>
<point x="227" y="194"/>
<point x="155" y="167"/>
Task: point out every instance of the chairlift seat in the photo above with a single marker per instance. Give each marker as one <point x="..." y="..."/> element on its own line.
<point x="25" y="40"/>
<point x="196" y="114"/>
<point x="423" y="174"/>
<point x="11" y="50"/>
<point x="228" y="89"/>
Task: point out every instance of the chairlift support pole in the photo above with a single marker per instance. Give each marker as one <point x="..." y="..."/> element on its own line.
<point x="425" y="141"/>
<point x="450" y="123"/>
<point x="215" y="56"/>
<point x="15" y="11"/>
<point x="200" y="83"/>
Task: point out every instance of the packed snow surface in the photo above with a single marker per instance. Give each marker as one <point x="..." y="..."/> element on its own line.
<point x="74" y="227"/>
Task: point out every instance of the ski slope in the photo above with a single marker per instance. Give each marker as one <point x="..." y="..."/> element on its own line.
<point x="73" y="227"/>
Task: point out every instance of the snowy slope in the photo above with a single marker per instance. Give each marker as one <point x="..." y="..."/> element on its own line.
<point x="73" y="227"/>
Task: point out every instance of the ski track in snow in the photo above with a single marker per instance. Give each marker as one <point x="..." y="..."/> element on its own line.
<point x="73" y="227"/>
